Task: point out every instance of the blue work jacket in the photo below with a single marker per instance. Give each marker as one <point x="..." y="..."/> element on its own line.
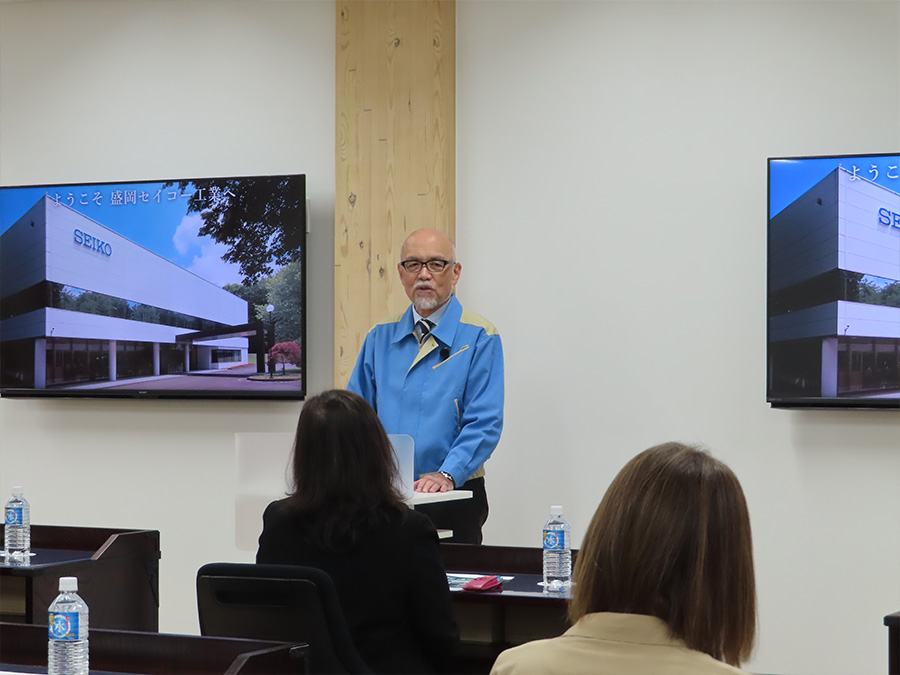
<point x="447" y="395"/>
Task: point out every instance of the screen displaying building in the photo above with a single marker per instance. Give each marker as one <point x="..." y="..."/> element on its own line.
<point x="834" y="288"/>
<point x="82" y="303"/>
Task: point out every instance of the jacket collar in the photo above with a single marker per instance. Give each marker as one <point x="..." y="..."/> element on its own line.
<point x="444" y="332"/>
<point x="635" y="628"/>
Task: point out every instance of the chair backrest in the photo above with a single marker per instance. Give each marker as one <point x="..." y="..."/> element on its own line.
<point x="288" y="603"/>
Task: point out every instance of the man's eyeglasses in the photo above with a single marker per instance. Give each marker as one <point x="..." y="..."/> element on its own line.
<point x="435" y="265"/>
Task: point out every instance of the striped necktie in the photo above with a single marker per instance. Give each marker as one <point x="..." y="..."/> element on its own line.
<point x="422" y="329"/>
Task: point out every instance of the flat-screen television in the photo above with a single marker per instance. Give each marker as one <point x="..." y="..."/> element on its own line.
<point x="834" y="281"/>
<point x="178" y="288"/>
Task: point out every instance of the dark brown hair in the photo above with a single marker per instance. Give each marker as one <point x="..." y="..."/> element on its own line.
<point x="671" y="538"/>
<point x="344" y="470"/>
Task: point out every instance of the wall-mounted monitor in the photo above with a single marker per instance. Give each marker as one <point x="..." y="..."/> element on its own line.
<point x="834" y="281"/>
<point x="179" y="288"/>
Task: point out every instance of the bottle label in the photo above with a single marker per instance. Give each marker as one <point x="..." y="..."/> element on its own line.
<point x="554" y="540"/>
<point x="63" y="625"/>
<point x="13" y="515"/>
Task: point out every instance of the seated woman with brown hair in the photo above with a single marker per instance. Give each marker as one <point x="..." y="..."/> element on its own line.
<point x="347" y="517"/>
<point x="664" y="580"/>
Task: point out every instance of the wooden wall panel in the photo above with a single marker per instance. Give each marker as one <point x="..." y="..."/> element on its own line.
<point x="395" y="159"/>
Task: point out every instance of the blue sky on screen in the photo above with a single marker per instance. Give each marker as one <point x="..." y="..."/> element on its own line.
<point x="790" y="178"/>
<point x="145" y="213"/>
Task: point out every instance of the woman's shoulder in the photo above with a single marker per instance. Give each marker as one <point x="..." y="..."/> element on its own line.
<point x="623" y="643"/>
<point x="416" y="522"/>
<point x="405" y="523"/>
<point x="530" y="657"/>
<point x="277" y="510"/>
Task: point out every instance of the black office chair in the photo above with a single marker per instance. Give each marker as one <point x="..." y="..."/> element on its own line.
<point x="287" y="603"/>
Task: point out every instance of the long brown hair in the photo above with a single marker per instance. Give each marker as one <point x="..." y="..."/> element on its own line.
<point x="671" y="538"/>
<point x="344" y="470"/>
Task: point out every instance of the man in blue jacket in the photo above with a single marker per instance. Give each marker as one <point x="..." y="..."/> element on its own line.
<point x="436" y="373"/>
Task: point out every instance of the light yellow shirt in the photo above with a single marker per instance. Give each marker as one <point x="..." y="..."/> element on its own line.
<point x="610" y="644"/>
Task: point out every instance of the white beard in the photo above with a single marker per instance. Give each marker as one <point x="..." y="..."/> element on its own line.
<point x="426" y="303"/>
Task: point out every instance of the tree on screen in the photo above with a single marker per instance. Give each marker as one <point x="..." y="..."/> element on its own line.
<point x="872" y="293"/>
<point x="891" y="294"/>
<point x="89" y="302"/>
<point x="286" y="352"/>
<point x="261" y="220"/>
<point x="282" y="291"/>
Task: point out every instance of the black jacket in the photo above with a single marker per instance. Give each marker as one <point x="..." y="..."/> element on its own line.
<point x="392" y="586"/>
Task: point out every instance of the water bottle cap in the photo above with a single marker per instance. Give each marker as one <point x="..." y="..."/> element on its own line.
<point x="556" y="510"/>
<point x="68" y="584"/>
<point x="17" y="490"/>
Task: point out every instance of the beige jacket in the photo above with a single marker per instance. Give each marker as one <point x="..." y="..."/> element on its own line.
<point x="610" y="644"/>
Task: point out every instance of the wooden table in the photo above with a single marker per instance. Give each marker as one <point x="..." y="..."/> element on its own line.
<point x="23" y="648"/>
<point x="117" y="570"/>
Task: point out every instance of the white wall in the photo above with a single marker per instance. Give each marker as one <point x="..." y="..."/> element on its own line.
<point x="611" y="166"/>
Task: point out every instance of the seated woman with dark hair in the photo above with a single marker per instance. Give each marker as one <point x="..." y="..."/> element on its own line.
<point x="347" y="517"/>
<point x="664" y="580"/>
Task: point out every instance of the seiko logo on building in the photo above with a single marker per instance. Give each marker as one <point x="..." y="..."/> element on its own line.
<point x="92" y="243"/>
<point x="888" y="218"/>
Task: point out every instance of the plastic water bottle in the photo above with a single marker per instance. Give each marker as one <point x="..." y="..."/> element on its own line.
<point x="557" y="553"/>
<point x="17" y="533"/>
<point x="67" y="648"/>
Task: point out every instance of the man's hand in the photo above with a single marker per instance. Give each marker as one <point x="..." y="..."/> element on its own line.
<point x="433" y="482"/>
